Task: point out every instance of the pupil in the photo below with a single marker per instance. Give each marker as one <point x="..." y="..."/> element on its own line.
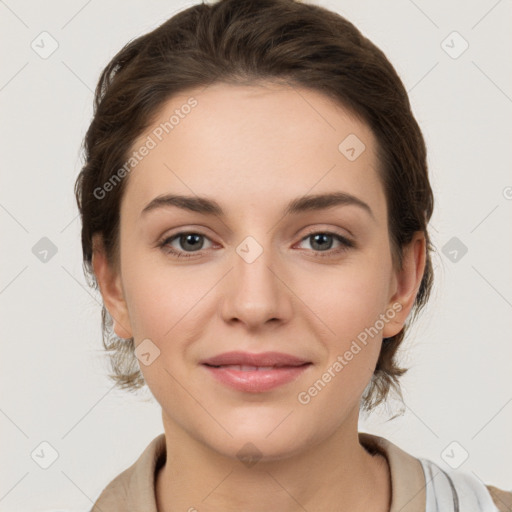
<point x="322" y="237"/>
<point x="189" y="240"/>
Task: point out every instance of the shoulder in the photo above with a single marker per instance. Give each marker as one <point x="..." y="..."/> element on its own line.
<point x="464" y="490"/>
<point x="134" y="488"/>
<point x="502" y="499"/>
<point x="421" y="485"/>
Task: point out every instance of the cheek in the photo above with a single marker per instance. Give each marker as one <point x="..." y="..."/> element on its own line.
<point x="170" y="306"/>
<point x="163" y="307"/>
<point x="346" y="299"/>
<point x="160" y="303"/>
<point x="347" y="303"/>
<point x="350" y="307"/>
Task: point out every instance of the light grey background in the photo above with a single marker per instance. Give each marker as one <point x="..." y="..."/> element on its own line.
<point x="53" y="371"/>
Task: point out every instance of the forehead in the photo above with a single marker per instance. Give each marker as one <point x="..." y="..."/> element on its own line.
<point x="251" y="143"/>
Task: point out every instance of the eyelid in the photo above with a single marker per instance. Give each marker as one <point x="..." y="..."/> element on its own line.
<point x="331" y="230"/>
<point x="184" y="230"/>
<point x="316" y="228"/>
<point x="166" y="239"/>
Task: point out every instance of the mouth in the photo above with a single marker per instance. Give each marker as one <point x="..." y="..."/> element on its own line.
<point x="255" y="373"/>
<point x="258" y="360"/>
<point x="247" y="368"/>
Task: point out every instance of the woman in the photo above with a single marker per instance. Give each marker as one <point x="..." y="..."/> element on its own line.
<point x="254" y="203"/>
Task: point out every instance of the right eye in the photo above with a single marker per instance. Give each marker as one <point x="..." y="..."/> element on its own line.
<point x="188" y="242"/>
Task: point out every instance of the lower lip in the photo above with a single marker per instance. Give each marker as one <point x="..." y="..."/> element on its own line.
<point x="256" y="381"/>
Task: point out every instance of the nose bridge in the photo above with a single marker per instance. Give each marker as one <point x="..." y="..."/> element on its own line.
<point x="255" y="294"/>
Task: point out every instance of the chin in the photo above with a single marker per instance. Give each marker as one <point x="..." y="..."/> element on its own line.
<point x="250" y="450"/>
<point x="262" y="437"/>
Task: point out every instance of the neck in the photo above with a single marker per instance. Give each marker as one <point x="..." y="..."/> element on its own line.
<point x="336" y="474"/>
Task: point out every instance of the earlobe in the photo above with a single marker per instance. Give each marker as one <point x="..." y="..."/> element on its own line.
<point x="407" y="283"/>
<point x="109" y="282"/>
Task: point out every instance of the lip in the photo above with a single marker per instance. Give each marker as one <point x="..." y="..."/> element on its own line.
<point x="254" y="359"/>
<point x="255" y="373"/>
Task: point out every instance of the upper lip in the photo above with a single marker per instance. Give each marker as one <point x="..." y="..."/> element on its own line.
<point x="250" y="359"/>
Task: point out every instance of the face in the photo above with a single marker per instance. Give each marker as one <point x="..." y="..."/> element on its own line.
<point x="260" y="269"/>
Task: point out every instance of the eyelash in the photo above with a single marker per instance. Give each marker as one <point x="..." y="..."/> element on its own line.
<point x="346" y="244"/>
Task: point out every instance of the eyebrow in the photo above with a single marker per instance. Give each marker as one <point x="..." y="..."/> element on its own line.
<point x="302" y="204"/>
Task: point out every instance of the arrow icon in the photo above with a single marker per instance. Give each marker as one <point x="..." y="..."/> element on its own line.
<point x="249" y="249"/>
<point x="454" y="249"/>
<point x="351" y="147"/>
<point x="44" y="250"/>
<point x="147" y="352"/>
<point x="44" y="455"/>
<point x="44" y="44"/>
<point x="454" y="45"/>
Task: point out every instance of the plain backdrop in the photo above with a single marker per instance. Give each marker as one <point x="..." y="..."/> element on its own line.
<point x="458" y="391"/>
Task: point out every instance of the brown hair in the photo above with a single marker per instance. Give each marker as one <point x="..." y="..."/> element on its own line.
<point x="244" y="42"/>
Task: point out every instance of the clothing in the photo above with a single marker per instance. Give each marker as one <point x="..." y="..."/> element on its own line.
<point x="417" y="485"/>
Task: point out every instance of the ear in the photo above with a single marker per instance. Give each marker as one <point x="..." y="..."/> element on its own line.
<point x="406" y="283"/>
<point x="109" y="282"/>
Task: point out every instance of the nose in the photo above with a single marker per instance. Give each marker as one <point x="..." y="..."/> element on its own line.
<point x="255" y="291"/>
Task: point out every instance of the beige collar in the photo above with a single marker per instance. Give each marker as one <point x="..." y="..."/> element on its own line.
<point x="134" y="488"/>
<point x="407" y="477"/>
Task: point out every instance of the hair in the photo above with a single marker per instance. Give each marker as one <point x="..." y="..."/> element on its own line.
<point x="247" y="42"/>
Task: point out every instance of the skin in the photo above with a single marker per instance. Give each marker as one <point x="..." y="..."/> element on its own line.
<point x="253" y="149"/>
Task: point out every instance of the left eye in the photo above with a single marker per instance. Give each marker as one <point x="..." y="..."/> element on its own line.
<point x="322" y="242"/>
